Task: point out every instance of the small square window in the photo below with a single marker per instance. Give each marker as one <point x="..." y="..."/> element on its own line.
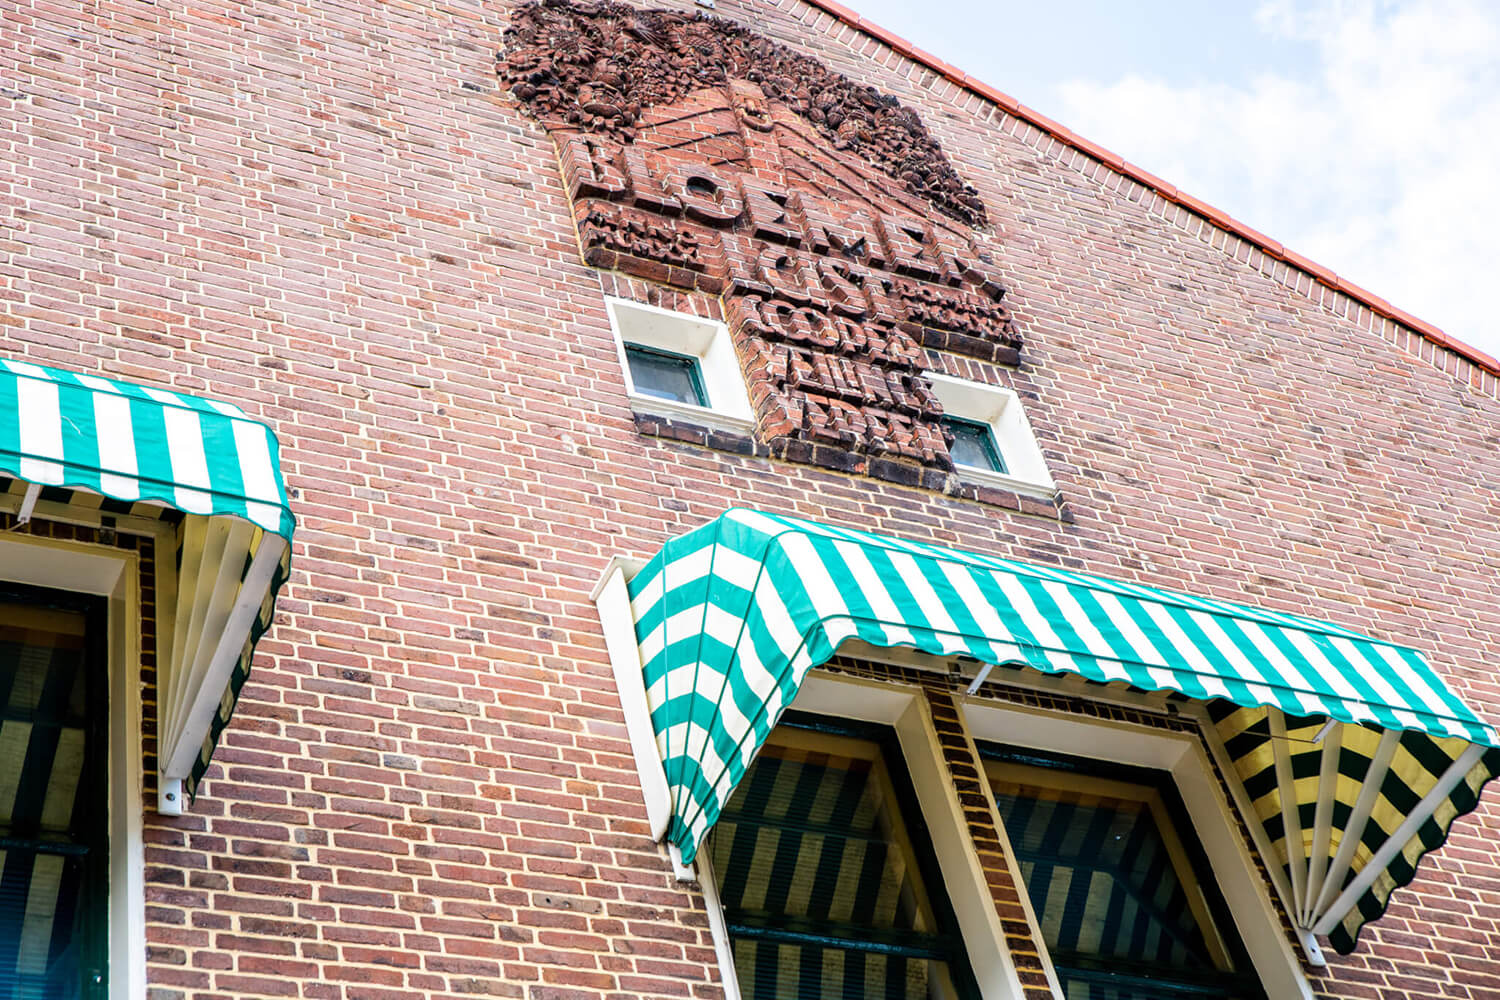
<point x="992" y="440"/>
<point x="665" y="375"/>
<point x="974" y="445"/>
<point x="681" y="367"/>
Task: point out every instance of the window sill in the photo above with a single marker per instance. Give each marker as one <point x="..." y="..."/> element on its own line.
<point x="1005" y="481"/>
<point x="688" y="431"/>
<point x="652" y="408"/>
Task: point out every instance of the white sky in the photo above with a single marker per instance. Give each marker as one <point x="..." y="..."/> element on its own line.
<point x="1363" y="134"/>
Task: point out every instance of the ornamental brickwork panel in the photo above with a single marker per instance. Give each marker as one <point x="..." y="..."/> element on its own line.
<point x="700" y="155"/>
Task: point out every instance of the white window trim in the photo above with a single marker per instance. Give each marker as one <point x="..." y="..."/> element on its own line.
<point x="113" y="574"/>
<point x="1182" y="755"/>
<point x="705" y="340"/>
<point x="1000" y="409"/>
<point x="612" y="599"/>
<point x="708" y="881"/>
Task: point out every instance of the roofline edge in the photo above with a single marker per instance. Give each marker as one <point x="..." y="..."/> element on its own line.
<point x="1114" y="161"/>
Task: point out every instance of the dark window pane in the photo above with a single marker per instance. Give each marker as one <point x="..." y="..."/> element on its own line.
<point x="974" y="445"/>
<point x="53" y="868"/>
<point x="1122" y="906"/>
<point x="665" y="375"/>
<point x="827" y="886"/>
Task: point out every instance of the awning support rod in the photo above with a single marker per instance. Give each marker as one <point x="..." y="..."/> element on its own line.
<point x="1296" y="855"/>
<point x="1332" y="738"/>
<point x="1354" y="829"/>
<point x="1257" y="829"/>
<point x="28" y="503"/>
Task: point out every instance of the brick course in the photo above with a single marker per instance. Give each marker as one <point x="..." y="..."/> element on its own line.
<point x="332" y="215"/>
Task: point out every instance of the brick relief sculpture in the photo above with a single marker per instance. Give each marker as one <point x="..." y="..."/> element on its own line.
<point x="701" y="155"/>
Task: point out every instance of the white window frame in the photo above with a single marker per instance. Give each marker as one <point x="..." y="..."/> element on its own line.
<point x="115" y="575"/>
<point x="706" y="341"/>
<point x="1183" y="757"/>
<point x="999" y="409"/>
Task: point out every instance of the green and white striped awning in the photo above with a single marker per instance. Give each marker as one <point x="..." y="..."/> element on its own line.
<point x="1355" y="757"/>
<point x="71" y="434"/>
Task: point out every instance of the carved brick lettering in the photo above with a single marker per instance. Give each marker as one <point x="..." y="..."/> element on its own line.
<point x="949" y="309"/>
<point x="706" y="194"/>
<point x="619" y="232"/>
<point x="771" y="218"/>
<point x="907" y="241"/>
<point x="853" y="237"/>
<point x="596" y="67"/>
<point x="591" y="168"/>
<point x="839" y="286"/>
<point x="773" y="271"/>
<point x="646" y="189"/>
<point x="784" y="321"/>
<point x="684" y="144"/>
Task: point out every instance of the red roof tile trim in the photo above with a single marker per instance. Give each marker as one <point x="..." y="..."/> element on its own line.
<point x="1375" y="303"/>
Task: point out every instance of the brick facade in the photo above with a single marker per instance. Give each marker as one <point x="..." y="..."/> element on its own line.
<point x="334" y="215"/>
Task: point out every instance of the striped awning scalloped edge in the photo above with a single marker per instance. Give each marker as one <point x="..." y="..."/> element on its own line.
<point x="207" y="459"/>
<point x="1353" y="755"/>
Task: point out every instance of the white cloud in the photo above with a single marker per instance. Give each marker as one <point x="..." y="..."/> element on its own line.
<point x="1379" y="163"/>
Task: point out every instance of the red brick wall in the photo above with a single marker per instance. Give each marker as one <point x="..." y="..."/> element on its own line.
<point x="330" y="213"/>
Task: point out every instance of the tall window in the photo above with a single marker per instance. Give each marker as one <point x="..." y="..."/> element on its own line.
<point x="53" y="810"/>
<point x="1126" y="902"/>
<point x="828" y="879"/>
